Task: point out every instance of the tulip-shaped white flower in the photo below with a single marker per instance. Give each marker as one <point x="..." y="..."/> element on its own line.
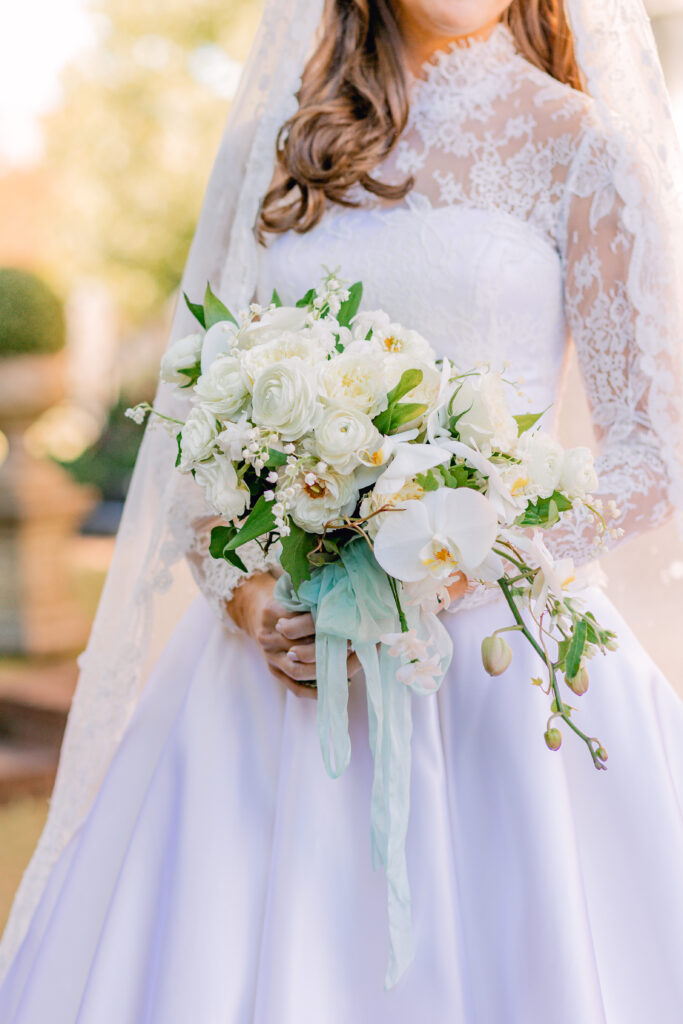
<point x="447" y="531"/>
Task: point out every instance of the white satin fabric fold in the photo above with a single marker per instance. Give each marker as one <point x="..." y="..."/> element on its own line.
<point x="222" y="877"/>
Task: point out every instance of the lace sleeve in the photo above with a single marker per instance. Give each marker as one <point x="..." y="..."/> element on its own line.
<point x="599" y="252"/>
<point x="192" y="522"/>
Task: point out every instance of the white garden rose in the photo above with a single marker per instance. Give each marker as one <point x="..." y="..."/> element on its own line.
<point x="578" y="478"/>
<point x="319" y="499"/>
<point x="542" y="459"/>
<point x="285" y="399"/>
<point x="355" y="378"/>
<point x="181" y="355"/>
<point x="485" y="420"/>
<point x="287" y="346"/>
<point x="219" y="340"/>
<point x="222" y="488"/>
<point x="198" y="437"/>
<point x="341" y="433"/>
<point x="271" y="325"/>
<point x="222" y="388"/>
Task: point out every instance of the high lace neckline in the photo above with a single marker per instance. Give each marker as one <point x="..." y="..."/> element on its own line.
<point x="463" y="68"/>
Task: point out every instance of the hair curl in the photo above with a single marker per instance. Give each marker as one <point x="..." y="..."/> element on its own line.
<point x="353" y="105"/>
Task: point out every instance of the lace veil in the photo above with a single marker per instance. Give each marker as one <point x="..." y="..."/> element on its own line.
<point x="149" y="585"/>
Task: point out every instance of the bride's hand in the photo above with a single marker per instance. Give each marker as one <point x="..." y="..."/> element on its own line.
<point x="287" y="639"/>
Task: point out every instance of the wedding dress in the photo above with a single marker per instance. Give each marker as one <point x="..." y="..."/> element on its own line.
<point x="220" y="876"/>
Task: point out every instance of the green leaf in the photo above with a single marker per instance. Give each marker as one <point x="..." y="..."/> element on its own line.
<point x="218" y="548"/>
<point x="576" y="647"/>
<point x="526" y="421"/>
<point x="275" y="299"/>
<point x="545" y="511"/>
<point x="196" y="310"/>
<point x="193" y="373"/>
<point x="178" y="439"/>
<point x="350" y="307"/>
<point x="295" y="551"/>
<point x="409" y="380"/>
<point x="214" y="310"/>
<point x="259" y="521"/>
<point x="275" y="458"/>
<point x="427" y="481"/>
<point x="306" y="299"/>
<point x="405" y="413"/>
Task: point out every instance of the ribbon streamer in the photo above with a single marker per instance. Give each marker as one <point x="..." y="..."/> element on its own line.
<point x="351" y="600"/>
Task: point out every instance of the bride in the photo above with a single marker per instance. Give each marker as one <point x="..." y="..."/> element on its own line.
<point x="500" y="174"/>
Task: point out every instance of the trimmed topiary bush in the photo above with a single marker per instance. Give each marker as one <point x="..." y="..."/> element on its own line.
<point x="31" y="316"/>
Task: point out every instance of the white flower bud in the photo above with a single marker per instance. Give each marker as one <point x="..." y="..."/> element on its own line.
<point x="496" y="655"/>
<point x="578" y="684"/>
<point x="553" y="739"/>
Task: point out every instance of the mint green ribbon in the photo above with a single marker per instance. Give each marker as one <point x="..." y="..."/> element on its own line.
<point x="351" y="600"/>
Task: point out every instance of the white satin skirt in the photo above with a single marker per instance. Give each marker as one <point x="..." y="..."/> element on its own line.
<point x="222" y="878"/>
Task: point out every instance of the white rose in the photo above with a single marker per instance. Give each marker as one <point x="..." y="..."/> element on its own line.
<point x="486" y="422"/>
<point x="356" y="379"/>
<point x="222" y="389"/>
<point x="578" y="477"/>
<point x="319" y="503"/>
<point x="198" y="437"/>
<point x="218" y="341"/>
<point x="272" y="325"/>
<point x="288" y="346"/>
<point x="341" y="433"/>
<point x="285" y="399"/>
<point x="542" y="460"/>
<point x="223" y="490"/>
<point x="182" y="355"/>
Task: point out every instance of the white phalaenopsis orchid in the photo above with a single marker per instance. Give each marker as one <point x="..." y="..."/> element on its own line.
<point x="408" y="459"/>
<point x="446" y="532"/>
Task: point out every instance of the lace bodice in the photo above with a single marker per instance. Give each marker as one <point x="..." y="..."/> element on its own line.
<point x="512" y="238"/>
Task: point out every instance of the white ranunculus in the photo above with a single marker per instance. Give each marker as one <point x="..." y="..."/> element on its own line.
<point x="271" y="325"/>
<point x="356" y="378"/>
<point x="318" y="503"/>
<point x="447" y="531"/>
<point x="287" y="346"/>
<point x="341" y="434"/>
<point x="285" y="399"/>
<point x="542" y="459"/>
<point x="219" y="340"/>
<point x="182" y="355"/>
<point x="222" y="488"/>
<point x="198" y="437"/>
<point x="222" y="388"/>
<point x="485" y="418"/>
<point x="578" y="478"/>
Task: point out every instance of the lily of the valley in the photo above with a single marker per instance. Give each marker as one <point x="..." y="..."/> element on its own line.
<point x="445" y="532"/>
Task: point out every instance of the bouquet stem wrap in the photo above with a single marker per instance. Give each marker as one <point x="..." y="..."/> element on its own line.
<point x="352" y="600"/>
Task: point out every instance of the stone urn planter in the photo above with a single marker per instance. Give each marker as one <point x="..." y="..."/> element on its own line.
<point x="40" y="507"/>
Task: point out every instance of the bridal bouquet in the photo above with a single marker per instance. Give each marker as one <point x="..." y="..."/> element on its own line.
<point x="382" y="473"/>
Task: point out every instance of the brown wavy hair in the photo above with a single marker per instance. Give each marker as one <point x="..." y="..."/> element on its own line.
<point x="353" y="105"/>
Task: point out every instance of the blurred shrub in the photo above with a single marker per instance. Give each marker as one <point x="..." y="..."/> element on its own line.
<point x="108" y="464"/>
<point x="31" y="315"/>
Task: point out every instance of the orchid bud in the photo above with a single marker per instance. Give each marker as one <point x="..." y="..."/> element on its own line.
<point x="578" y="684"/>
<point x="495" y="655"/>
<point x="601" y="754"/>
<point x="553" y="739"/>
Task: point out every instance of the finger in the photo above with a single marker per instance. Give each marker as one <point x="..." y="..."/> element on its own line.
<point x="296" y="627"/>
<point x="273" y="610"/>
<point x="310" y="692"/>
<point x="299" y="671"/>
<point x="302" y="652"/>
<point x="269" y="640"/>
